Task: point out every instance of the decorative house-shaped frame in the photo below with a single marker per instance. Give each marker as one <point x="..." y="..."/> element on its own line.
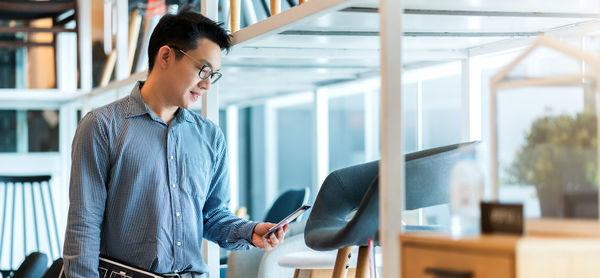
<point x="500" y="81"/>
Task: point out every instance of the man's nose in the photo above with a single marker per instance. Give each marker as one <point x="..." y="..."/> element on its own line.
<point x="204" y="84"/>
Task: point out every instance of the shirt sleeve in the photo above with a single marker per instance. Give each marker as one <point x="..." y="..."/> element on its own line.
<point x="220" y="224"/>
<point x="87" y="196"/>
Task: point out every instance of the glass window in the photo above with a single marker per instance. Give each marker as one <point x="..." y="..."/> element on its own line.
<point x="42" y="126"/>
<point x="294" y="146"/>
<point x="411" y="117"/>
<point x="8" y="131"/>
<point x="8" y="62"/>
<point x="244" y="157"/>
<point x="442" y="108"/>
<point x="346" y="131"/>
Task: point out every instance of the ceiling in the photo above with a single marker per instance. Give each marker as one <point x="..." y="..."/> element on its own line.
<point x="324" y="44"/>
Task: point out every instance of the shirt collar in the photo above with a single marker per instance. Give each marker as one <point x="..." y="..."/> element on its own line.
<point x="137" y="107"/>
<point x="185" y="114"/>
<point x="135" y="104"/>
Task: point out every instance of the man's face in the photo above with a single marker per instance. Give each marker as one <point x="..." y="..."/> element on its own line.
<point x="188" y="87"/>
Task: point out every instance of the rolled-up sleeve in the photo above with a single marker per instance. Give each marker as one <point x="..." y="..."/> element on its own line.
<point x="220" y="225"/>
<point x="87" y="196"/>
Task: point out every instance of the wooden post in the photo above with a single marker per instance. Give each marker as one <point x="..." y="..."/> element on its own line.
<point x="134" y="32"/>
<point x="108" y="69"/>
<point x="234" y="7"/>
<point x="275" y="7"/>
<point x="342" y="261"/>
<point x="362" y="264"/>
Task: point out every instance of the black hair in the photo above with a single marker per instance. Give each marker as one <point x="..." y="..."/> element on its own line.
<point x="183" y="31"/>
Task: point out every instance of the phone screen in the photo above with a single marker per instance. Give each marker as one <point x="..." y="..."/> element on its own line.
<point x="287" y="219"/>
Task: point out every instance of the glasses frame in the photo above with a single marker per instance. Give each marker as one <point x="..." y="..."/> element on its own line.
<point x="214" y="75"/>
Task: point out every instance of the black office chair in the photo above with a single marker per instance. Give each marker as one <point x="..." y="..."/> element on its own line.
<point x="31" y="198"/>
<point x="54" y="270"/>
<point x="33" y="266"/>
<point x="287" y="203"/>
<point x="356" y="189"/>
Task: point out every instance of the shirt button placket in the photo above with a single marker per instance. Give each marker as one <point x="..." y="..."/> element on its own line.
<point x="172" y="165"/>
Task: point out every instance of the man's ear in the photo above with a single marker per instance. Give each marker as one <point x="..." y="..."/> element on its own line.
<point x="163" y="56"/>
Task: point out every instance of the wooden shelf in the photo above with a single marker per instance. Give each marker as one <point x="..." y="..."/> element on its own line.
<point x="328" y="41"/>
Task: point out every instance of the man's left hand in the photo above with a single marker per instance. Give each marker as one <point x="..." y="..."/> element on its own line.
<point x="274" y="239"/>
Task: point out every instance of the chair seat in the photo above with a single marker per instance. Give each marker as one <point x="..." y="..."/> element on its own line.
<point x="318" y="259"/>
<point x="313" y="259"/>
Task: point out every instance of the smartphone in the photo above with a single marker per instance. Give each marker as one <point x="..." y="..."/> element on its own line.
<point x="287" y="220"/>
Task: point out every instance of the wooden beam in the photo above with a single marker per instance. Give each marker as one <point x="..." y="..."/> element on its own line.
<point x="27" y="29"/>
<point x="19" y="44"/>
<point x="39" y="6"/>
<point x="234" y="8"/>
<point x="275" y="7"/>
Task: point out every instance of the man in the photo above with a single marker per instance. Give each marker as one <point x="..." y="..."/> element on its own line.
<point x="149" y="177"/>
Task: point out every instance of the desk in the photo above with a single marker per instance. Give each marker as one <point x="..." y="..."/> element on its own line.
<point x="498" y="256"/>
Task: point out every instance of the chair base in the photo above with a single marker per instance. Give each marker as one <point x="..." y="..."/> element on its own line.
<point x="341" y="268"/>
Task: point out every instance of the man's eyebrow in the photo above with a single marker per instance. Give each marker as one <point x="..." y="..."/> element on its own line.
<point x="207" y="63"/>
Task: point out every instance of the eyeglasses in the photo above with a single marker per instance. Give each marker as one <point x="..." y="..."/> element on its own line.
<point x="206" y="71"/>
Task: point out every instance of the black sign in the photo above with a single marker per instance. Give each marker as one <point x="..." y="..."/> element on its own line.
<point x="501" y="218"/>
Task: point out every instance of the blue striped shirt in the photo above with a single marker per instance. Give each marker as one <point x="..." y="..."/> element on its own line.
<point x="145" y="192"/>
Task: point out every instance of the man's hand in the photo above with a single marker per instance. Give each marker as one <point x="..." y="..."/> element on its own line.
<point x="274" y="239"/>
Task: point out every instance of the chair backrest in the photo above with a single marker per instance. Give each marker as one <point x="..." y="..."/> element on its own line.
<point x="287" y="203"/>
<point x="27" y="205"/>
<point x="34" y="266"/>
<point x="352" y="189"/>
<point x="54" y="270"/>
<point x="356" y="189"/>
<point x="427" y="175"/>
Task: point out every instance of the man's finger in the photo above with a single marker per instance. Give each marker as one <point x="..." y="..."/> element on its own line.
<point x="274" y="240"/>
<point x="266" y="245"/>
<point x="280" y="235"/>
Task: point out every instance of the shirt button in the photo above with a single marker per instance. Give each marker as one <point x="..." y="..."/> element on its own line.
<point x="179" y="243"/>
<point x="174" y="185"/>
<point x="178" y="214"/>
<point x="172" y="157"/>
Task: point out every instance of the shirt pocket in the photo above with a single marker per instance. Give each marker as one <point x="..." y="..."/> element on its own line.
<point x="196" y="177"/>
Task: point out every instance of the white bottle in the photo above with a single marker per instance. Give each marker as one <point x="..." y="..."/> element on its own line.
<point x="466" y="192"/>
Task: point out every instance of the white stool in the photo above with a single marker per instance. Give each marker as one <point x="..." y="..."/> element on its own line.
<point x="318" y="264"/>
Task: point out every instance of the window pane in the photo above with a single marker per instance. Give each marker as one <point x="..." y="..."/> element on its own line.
<point x="346" y="131"/>
<point x="410" y="117"/>
<point x="294" y="147"/>
<point x="244" y="159"/>
<point x="7" y="67"/>
<point x="42" y="129"/>
<point x="442" y="111"/>
<point x="8" y="131"/>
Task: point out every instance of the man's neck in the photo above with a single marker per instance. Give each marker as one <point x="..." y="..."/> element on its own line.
<point x="153" y="96"/>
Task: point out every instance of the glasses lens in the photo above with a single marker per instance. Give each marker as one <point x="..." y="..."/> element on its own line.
<point x="205" y="72"/>
<point x="215" y="77"/>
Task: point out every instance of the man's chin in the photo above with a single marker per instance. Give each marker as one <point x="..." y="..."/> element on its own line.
<point x="189" y="106"/>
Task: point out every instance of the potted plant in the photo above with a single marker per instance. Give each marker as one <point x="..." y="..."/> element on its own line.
<point x="559" y="157"/>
